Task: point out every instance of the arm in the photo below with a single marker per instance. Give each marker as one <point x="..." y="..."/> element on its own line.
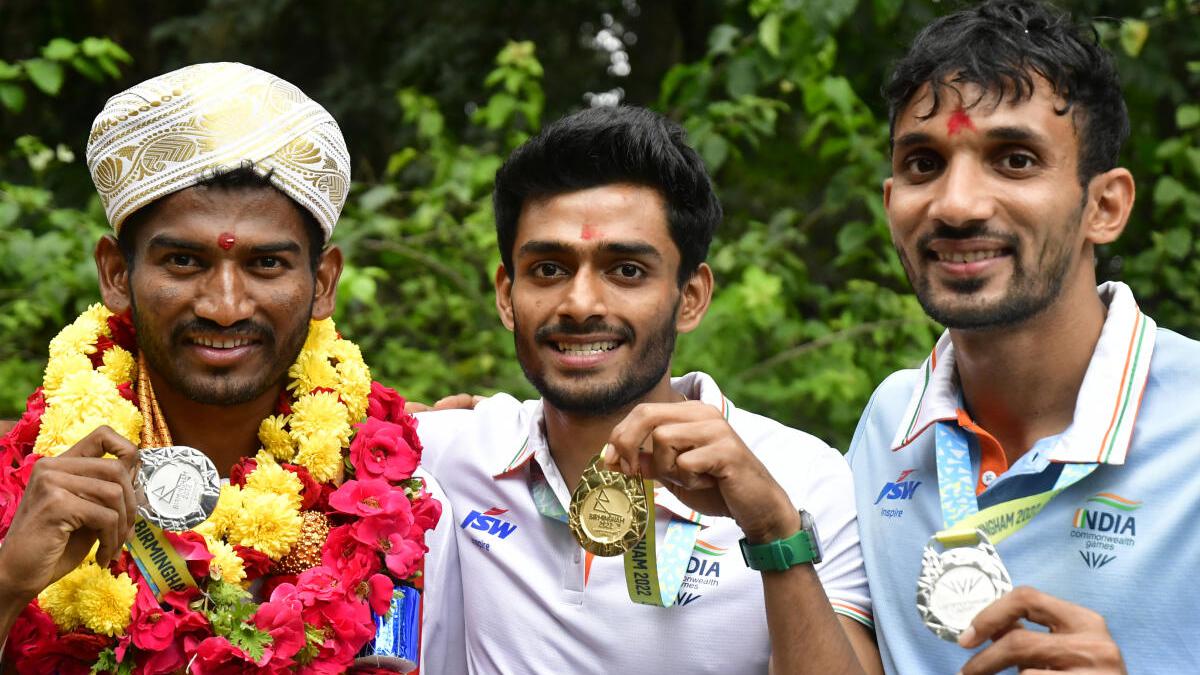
<point x="698" y="456"/>
<point x="1078" y="640"/>
<point x="72" y="501"/>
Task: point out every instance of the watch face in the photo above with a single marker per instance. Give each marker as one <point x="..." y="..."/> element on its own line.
<point x="809" y="525"/>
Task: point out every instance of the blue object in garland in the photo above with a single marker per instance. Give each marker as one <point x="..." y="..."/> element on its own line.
<point x="395" y="645"/>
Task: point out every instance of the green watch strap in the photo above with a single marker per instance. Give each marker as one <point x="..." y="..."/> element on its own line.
<point x="781" y="554"/>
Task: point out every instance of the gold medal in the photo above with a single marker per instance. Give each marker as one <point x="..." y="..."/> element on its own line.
<point x="608" y="511"/>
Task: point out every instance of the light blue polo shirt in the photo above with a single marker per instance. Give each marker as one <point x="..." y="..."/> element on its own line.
<point x="1124" y="541"/>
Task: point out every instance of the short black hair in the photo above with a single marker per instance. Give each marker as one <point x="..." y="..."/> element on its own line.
<point x="241" y="177"/>
<point x="999" y="45"/>
<point x="608" y="145"/>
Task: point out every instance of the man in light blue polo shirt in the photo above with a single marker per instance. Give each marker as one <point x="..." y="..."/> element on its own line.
<point x="1053" y="416"/>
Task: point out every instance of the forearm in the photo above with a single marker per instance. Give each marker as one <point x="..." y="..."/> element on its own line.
<point x="806" y="636"/>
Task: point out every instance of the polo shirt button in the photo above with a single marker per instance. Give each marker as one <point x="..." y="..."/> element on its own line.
<point x="988" y="477"/>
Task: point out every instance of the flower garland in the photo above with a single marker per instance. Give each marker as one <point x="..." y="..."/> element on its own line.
<point x="327" y="516"/>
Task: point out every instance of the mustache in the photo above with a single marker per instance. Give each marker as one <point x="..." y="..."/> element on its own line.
<point x="590" y="326"/>
<point x="979" y="231"/>
<point x="242" y="329"/>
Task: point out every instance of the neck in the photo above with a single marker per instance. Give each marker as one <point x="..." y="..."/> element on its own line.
<point x="225" y="433"/>
<point x="575" y="439"/>
<point x="1020" y="383"/>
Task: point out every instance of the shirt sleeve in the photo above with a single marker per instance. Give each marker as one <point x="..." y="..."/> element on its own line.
<point x="443" y="633"/>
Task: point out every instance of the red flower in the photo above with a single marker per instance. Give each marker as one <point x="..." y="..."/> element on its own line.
<point x="40" y="649"/>
<point x="426" y="511"/>
<point x="255" y="563"/>
<point x="284" y="405"/>
<point x="372" y="497"/>
<point x="310" y="489"/>
<point x="192" y="548"/>
<point x="319" y="585"/>
<point x="103" y="344"/>
<point x="378" y="531"/>
<point x="152" y="629"/>
<point x="121" y="327"/>
<point x="379" y="593"/>
<point x="384" y="450"/>
<point x="239" y="471"/>
<point x="32" y="627"/>
<point x="125" y="389"/>
<point x="281" y="618"/>
<point x="216" y="656"/>
<point x="270" y="583"/>
<point x="349" y="558"/>
<point x="384" y="403"/>
<point x="23" y="435"/>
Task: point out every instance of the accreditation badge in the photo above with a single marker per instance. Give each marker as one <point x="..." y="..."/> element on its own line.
<point x="608" y="511"/>
<point x="958" y="581"/>
<point x="177" y="487"/>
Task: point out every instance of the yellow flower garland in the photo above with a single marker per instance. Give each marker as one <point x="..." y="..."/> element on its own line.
<point x="331" y="384"/>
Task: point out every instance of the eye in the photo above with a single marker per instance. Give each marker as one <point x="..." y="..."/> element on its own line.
<point x="629" y="271"/>
<point x="1018" y="161"/>
<point x="545" y="270"/>
<point x="270" y="262"/>
<point x="182" y="260"/>
<point x="921" y="165"/>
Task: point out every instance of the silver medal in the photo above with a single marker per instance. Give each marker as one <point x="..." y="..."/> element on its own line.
<point x="956" y="583"/>
<point x="177" y="487"/>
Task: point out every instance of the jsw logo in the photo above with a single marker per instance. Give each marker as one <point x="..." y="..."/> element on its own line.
<point x="489" y="523"/>
<point x="899" y="488"/>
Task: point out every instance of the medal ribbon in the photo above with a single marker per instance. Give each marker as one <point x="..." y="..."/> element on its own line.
<point x="960" y="508"/>
<point x="161" y="565"/>
<point x="654" y="574"/>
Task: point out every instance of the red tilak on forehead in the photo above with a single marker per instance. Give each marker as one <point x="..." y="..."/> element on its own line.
<point x="225" y="240"/>
<point x="959" y="120"/>
<point x="587" y="232"/>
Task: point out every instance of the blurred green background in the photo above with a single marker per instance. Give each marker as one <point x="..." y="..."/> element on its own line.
<point x="780" y="96"/>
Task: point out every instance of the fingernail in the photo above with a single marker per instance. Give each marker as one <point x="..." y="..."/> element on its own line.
<point x="606" y="453"/>
<point x="967" y="637"/>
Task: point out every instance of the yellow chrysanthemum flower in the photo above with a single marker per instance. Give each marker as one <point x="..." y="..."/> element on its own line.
<point x="321" y="334"/>
<point x="345" y="350"/>
<point x="321" y="453"/>
<point x="75" y="338"/>
<point x="229" y="505"/>
<point x="354" y="384"/>
<point x="273" y="434"/>
<point x="267" y="522"/>
<point x="319" y="413"/>
<point x="85" y="400"/>
<point x="59" y="367"/>
<point x="270" y="477"/>
<point x="312" y="369"/>
<point x="118" y="365"/>
<point x="225" y="565"/>
<point x="104" y="601"/>
<point x="58" y="599"/>
<point x="100" y="315"/>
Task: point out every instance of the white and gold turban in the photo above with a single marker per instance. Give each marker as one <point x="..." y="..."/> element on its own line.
<point x="170" y="131"/>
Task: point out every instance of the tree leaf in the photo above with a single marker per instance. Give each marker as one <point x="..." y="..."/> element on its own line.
<point x="1187" y="116"/>
<point x="768" y="33"/>
<point x="1168" y="192"/>
<point x="60" y="49"/>
<point x="12" y="96"/>
<point x="1133" y="36"/>
<point x="45" y="75"/>
<point x="720" y="40"/>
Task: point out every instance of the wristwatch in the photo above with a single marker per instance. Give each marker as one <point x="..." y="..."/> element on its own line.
<point x="776" y="556"/>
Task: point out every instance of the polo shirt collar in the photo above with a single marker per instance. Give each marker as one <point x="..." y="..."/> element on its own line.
<point x="1108" y="400"/>
<point x="533" y="447"/>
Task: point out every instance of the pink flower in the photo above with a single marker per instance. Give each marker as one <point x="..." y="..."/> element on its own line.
<point x="281" y="618"/>
<point x="379" y="593"/>
<point x="216" y="656"/>
<point x="192" y="548"/>
<point x="404" y="556"/>
<point x="384" y="450"/>
<point x="152" y="629"/>
<point x="23" y="435"/>
<point x="319" y="585"/>
<point x="375" y="532"/>
<point x="371" y="497"/>
<point x="352" y="627"/>
<point x="385" y="404"/>
<point x="426" y="511"/>
<point x="351" y="559"/>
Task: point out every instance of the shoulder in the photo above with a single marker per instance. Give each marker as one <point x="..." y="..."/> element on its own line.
<point x="472" y="435"/>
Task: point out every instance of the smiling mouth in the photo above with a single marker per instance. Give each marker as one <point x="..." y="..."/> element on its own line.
<point x="967" y="256"/>
<point x="586" y="348"/>
<point x="222" y="343"/>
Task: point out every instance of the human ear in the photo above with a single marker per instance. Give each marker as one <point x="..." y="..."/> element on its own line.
<point x="329" y="270"/>
<point x="695" y="297"/>
<point x="504" y="297"/>
<point x="1109" y="201"/>
<point x="113" y="273"/>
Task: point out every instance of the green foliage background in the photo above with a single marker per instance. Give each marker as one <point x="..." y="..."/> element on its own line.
<point x="780" y="97"/>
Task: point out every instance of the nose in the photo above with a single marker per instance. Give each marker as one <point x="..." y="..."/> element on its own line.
<point x="963" y="195"/>
<point x="584" y="297"/>
<point x="223" y="296"/>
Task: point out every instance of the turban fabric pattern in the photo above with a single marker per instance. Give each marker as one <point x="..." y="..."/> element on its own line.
<point x="170" y="132"/>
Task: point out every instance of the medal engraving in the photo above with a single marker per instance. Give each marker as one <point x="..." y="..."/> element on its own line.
<point x="607" y="515"/>
<point x="177" y="487"/>
<point x="955" y="584"/>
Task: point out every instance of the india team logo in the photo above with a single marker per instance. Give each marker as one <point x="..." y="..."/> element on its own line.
<point x="703" y="572"/>
<point x="1106" y="524"/>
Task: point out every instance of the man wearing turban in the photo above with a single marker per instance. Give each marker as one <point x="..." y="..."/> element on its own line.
<point x="223" y="184"/>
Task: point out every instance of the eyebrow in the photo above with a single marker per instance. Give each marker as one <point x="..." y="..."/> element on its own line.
<point x="1010" y="134"/>
<point x="537" y="246"/>
<point x="276" y="247"/>
<point x="166" y="241"/>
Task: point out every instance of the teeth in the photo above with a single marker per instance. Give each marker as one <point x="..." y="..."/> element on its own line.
<point x="586" y="349"/>
<point x="969" y="256"/>
<point x="221" y="344"/>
